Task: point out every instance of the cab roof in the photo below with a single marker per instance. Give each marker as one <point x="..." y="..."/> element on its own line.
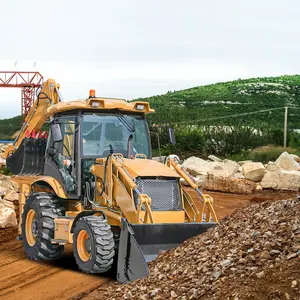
<point x="100" y="104"/>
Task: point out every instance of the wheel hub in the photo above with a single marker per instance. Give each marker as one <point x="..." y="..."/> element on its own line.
<point x="31" y="227"/>
<point x="34" y="227"/>
<point x="88" y="245"/>
<point x="84" y="245"/>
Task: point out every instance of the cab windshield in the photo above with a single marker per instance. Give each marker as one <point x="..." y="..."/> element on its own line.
<point x="103" y="132"/>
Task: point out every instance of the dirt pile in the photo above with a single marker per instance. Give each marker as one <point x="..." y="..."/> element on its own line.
<point x="252" y="254"/>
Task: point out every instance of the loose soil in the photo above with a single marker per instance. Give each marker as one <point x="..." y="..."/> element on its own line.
<point x="25" y="279"/>
<point x="253" y="254"/>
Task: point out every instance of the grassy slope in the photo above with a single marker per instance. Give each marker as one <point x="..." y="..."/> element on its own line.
<point x="231" y="98"/>
<point x="217" y="100"/>
<point x="9" y="126"/>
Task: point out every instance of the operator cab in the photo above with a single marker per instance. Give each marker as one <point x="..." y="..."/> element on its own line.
<point x="78" y="138"/>
<point x="102" y="133"/>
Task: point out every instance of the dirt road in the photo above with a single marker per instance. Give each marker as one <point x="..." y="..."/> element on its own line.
<point x="21" y="278"/>
<point x="24" y="279"/>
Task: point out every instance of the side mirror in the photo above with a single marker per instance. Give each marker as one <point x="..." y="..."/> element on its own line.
<point x="171" y="135"/>
<point x="56" y="133"/>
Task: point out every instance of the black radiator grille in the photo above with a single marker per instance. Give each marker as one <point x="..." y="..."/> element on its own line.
<point x="164" y="193"/>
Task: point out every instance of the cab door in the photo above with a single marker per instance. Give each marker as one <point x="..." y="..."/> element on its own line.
<point x="61" y="157"/>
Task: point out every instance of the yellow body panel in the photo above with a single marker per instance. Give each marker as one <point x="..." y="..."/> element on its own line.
<point x="148" y="167"/>
<point x="30" y="180"/>
<point x="167" y="216"/>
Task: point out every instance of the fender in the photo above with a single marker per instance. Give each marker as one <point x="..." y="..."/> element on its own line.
<point x="86" y="213"/>
<point x="52" y="182"/>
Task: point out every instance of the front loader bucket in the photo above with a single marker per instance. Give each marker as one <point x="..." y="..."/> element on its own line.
<point x="141" y="243"/>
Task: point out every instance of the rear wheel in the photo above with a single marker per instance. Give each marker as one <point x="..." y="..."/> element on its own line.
<point x="93" y="244"/>
<point x="39" y="213"/>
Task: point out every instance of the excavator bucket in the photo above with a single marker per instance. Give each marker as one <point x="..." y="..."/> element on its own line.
<point x="29" y="158"/>
<point x="141" y="243"/>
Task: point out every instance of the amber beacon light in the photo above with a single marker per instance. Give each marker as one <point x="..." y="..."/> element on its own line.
<point x="92" y="94"/>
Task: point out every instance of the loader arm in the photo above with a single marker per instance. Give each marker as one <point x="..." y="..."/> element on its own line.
<point x="48" y="95"/>
<point x="191" y="209"/>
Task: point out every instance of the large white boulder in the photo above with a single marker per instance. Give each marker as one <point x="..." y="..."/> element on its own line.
<point x="287" y="162"/>
<point x="7" y="214"/>
<point x="198" y="166"/>
<point x="253" y="171"/>
<point x="230" y="166"/>
<point x="241" y="162"/>
<point x="282" y="180"/>
<point x="273" y="167"/>
<point x="214" y="158"/>
<point x="295" y="158"/>
<point x="229" y="185"/>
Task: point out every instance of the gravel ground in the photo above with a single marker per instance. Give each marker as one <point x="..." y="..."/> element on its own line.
<point x="252" y="254"/>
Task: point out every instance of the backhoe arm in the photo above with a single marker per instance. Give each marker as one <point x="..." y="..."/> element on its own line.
<point x="48" y="95"/>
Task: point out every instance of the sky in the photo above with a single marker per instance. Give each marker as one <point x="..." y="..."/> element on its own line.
<point x="140" y="48"/>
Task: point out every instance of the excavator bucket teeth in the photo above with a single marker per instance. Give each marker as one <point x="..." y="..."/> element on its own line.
<point x="141" y="243"/>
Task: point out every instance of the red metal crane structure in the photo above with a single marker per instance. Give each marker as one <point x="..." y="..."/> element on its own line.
<point x="27" y="81"/>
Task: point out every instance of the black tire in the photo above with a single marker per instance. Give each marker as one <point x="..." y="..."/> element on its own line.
<point x="100" y="247"/>
<point x="46" y="208"/>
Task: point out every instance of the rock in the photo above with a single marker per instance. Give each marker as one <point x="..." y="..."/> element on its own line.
<point x="229" y="185"/>
<point x="11" y="196"/>
<point x="291" y="255"/>
<point x="2" y="162"/>
<point x="265" y="255"/>
<point x="2" y="191"/>
<point x="226" y="263"/>
<point x="260" y="274"/>
<point x="173" y="294"/>
<point x="295" y="158"/>
<point x="214" y="158"/>
<point x="217" y="274"/>
<point x="259" y="187"/>
<point x="238" y="175"/>
<point x="272" y="167"/>
<point x="154" y="292"/>
<point x="281" y="180"/>
<point x="7" y="214"/>
<point x="253" y="171"/>
<point x="198" y="166"/>
<point x="286" y="162"/>
<point x="242" y="162"/>
<point x="294" y="284"/>
<point x="230" y="166"/>
<point x="274" y="251"/>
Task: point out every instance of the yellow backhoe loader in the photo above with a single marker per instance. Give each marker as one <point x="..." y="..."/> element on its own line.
<point x="91" y="182"/>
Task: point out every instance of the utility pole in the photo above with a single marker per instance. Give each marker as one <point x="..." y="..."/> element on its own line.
<point x="285" y="127"/>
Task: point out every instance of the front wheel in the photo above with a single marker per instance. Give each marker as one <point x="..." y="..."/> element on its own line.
<point x="38" y="226"/>
<point x="93" y="244"/>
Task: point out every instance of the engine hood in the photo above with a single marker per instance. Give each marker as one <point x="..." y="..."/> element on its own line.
<point x="148" y="168"/>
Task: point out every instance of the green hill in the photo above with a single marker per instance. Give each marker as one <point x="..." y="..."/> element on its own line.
<point x="257" y="102"/>
<point x="230" y="102"/>
<point x="9" y="126"/>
